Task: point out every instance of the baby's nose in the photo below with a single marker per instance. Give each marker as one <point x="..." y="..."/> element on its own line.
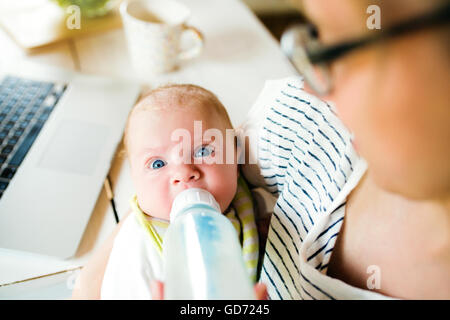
<point x="186" y="174"/>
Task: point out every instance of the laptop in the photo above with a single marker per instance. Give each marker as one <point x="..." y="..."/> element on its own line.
<point x="59" y="131"/>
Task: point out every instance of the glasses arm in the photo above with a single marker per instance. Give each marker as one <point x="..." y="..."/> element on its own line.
<point x="333" y="52"/>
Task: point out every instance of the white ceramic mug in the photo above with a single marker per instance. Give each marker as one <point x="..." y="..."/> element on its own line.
<point x="153" y="29"/>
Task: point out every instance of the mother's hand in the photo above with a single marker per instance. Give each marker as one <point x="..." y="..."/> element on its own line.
<point x="157" y="290"/>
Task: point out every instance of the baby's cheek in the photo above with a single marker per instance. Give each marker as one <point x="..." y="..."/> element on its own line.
<point x="153" y="198"/>
<point x="224" y="183"/>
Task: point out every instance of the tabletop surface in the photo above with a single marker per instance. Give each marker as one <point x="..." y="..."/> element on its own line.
<point x="238" y="57"/>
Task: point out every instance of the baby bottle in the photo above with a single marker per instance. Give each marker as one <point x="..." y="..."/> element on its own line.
<point x="202" y="256"/>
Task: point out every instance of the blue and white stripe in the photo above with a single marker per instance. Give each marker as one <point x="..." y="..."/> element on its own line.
<point x="306" y="158"/>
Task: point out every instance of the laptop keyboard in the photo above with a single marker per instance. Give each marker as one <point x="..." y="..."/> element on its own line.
<point x="25" y="106"/>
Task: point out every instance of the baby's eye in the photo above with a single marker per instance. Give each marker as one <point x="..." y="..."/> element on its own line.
<point x="157" y="164"/>
<point x="203" y="151"/>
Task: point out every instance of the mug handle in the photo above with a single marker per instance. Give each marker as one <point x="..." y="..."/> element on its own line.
<point x="197" y="48"/>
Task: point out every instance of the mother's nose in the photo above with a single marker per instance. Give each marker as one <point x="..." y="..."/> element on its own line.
<point x="185" y="173"/>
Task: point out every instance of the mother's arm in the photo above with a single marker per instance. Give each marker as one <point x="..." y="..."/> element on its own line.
<point x="89" y="282"/>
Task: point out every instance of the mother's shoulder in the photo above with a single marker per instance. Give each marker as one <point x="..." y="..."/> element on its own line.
<point x="288" y="123"/>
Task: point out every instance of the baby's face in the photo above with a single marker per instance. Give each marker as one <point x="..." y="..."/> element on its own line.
<point x="160" y="171"/>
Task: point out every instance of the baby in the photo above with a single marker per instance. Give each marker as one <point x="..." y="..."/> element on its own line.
<point x="162" y="165"/>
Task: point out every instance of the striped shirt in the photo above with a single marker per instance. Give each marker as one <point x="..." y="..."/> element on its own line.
<point x="307" y="161"/>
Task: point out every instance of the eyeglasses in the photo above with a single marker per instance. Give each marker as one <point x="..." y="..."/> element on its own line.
<point x="312" y="59"/>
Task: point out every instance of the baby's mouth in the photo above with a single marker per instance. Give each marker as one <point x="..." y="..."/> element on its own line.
<point x="187" y="186"/>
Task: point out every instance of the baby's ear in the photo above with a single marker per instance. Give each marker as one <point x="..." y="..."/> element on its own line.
<point x="122" y="150"/>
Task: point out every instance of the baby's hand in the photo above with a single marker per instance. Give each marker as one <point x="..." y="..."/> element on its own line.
<point x="157" y="290"/>
<point x="260" y="291"/>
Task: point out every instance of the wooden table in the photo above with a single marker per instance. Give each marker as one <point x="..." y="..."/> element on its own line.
<point x="239" y="55"/>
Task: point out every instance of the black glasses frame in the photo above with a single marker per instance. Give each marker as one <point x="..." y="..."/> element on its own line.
<point x="327" y="54"/>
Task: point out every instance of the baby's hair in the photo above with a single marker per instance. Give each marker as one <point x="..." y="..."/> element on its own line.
<point x="176" y="96"/>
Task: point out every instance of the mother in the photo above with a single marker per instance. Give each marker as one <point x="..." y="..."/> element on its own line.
<point x="344" y="227"/>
